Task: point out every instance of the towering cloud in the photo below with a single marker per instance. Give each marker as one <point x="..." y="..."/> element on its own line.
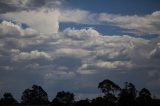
<point x="43" y="20"/>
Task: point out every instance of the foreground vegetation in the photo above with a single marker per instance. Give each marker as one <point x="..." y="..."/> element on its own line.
<point x="113" y="95"/>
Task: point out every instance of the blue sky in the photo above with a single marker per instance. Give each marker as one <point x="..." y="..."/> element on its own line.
<point x="124" y="7"/>
<point x="72" y="45"/>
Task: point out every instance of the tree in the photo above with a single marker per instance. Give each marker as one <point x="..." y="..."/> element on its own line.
<point x="99" y="101"/>
<point x="85" y="102"/>
<point x="145" y="93"/>
<point x="36" y="95"/>
<point x="144" y="98"/>
<point x="8" y="99"/>
<point x="108" y="87"/>
<point x="63" y="98"/>
<point x="127" y="95"/>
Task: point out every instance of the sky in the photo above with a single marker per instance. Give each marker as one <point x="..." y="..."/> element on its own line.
<point x="73" y="45"/>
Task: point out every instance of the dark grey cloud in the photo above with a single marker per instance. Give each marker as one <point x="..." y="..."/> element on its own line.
<point x="36" y="3"/>
<point x="20" y="5"/>
<point x="6" y="8"/>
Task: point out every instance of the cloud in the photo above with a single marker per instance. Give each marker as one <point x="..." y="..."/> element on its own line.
<point x="56" y="75"/>
<point x="43" y="21"/>
<point x="155" y="53"/>
<point x="47" y="14"/>
<point x="25" y="5"/>
<point x="82" y="34"/>
<point x="78" y="16"/>
<point x="9" y="28"/>
<point x="81" y="53"/>
<point x="146" y="24"/>
<point x="33" y="51"/>
<point x="153" y="78"/>
<point x="89" y="47"/>
<point x="46" y="20"/>
<point x="29" y="55"/>
<point x="113" y="65"/>
<point x="72" y="57"/>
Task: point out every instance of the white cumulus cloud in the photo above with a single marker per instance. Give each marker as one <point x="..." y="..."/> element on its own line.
<point x="30" y="55"/>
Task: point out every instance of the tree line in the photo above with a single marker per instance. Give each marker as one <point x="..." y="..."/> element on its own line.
<point x="113" y="95"/>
